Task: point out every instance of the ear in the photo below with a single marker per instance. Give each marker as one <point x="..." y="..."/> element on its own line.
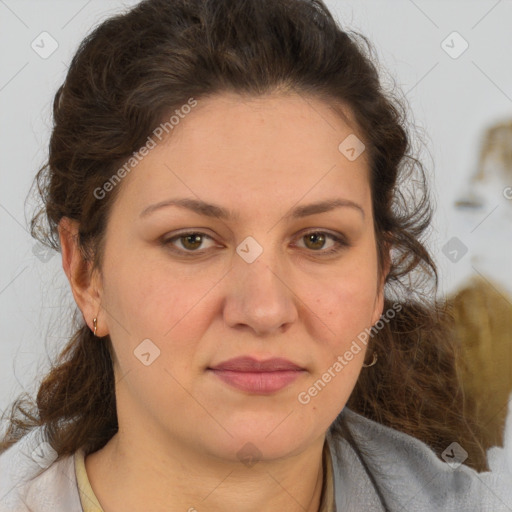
<point x="85" y="283"/>
<point x="379" y="298"/>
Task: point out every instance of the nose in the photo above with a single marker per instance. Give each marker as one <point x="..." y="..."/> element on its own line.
<point x="259" y="297"/>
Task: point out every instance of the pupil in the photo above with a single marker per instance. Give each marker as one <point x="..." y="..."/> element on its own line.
<point x="316" y="236"/>
<point x="193" y="239"/>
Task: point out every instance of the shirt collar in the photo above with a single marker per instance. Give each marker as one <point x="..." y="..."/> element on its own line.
<point x="327" y="499"/>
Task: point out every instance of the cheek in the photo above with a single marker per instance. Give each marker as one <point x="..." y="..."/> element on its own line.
<point x="343" y="306"/>
<point x="341" y="312"/>
<point x="149" y="301"/>
<point x="148" y="295"/>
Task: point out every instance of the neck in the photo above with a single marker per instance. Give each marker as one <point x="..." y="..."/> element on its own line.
<point x="126" y="473"/>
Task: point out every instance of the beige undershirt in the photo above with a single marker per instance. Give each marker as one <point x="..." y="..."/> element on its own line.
<point x="90" y="503"/>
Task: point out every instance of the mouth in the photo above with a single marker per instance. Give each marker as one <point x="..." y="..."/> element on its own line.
<point x="258" y="377"/>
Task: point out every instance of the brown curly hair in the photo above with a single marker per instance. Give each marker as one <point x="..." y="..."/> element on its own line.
<point x="135" y="68"/>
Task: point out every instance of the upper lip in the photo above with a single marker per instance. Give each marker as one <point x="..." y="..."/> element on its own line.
<point x="249" y="364"/>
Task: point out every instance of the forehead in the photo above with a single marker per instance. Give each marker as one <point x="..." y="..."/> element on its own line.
<point x="272" y="150"/>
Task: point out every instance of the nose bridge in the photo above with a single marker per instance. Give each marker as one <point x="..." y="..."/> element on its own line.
<point x="259" y="295"/>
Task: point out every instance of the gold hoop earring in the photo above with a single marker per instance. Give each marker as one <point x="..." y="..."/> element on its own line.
<point x="374" y="360"/>
<point x="95" y="323"/>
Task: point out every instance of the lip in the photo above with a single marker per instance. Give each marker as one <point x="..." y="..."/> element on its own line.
<point x="260" y="377"/>
<point x="250" y="364"/>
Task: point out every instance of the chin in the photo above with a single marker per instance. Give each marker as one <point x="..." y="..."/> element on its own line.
<point x="261" y="439"/>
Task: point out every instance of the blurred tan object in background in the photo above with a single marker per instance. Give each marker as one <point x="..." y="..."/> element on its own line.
<point x="482" y="308"/>
<point x="496" y="150"/>
<point x="494" y="164"/>
<point x="483" y="322"/>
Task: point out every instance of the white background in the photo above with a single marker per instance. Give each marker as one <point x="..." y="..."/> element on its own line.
<point x="452" y="102"/>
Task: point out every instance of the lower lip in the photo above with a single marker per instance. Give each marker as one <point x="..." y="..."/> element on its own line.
<point x="258" y="382"/>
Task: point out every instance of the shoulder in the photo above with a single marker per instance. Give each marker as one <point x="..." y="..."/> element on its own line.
<point x="408" y="472"/>
<point x="31" y="479"/>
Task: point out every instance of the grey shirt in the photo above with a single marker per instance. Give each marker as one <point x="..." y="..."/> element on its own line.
<point x="409" y="474"/>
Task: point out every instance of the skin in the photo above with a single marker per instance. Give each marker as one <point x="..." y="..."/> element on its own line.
<point x="181" y="427"/>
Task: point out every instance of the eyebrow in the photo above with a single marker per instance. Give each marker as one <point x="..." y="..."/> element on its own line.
<point x="218" y="212"/>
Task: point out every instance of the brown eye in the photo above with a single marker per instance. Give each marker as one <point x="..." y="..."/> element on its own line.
<point x="190" y="242"/>
<point x="315" y="240"/>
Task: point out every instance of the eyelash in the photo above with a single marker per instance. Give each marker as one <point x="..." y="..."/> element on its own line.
<point x="340" y="243"/>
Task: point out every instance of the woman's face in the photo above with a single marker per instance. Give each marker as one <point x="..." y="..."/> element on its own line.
<point x="254" y="283"/>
